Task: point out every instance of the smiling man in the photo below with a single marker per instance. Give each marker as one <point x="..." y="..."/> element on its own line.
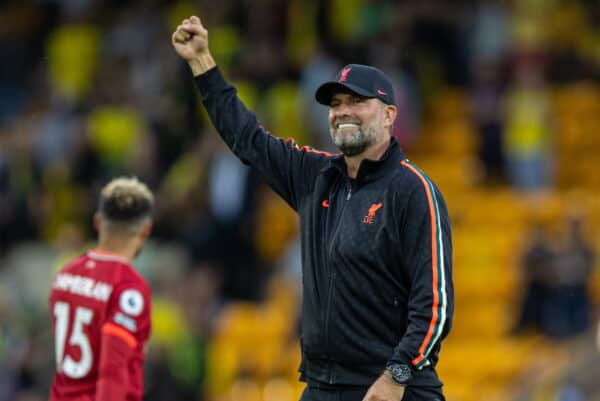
<point x="361" y="113"/>
<point x="376" y="247"/>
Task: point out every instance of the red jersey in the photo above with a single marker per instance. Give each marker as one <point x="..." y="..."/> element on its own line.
<point x="101" y="317"/>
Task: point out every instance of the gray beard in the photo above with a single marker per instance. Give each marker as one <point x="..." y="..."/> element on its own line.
<point x="353" y="149"/>
<point x="355" y="145"/>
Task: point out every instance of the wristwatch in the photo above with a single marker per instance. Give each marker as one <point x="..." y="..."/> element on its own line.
<point x="399" y="373"/>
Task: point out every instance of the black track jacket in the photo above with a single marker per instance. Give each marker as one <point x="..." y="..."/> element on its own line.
<point x="376" y="251"/>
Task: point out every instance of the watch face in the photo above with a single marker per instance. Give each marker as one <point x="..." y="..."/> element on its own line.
<point x="400" y="373"/>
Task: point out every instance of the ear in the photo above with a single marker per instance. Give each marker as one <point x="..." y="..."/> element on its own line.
<point x="97" y="221"/>
<point x="389" y="116"/>
<point x="146" y="230"/>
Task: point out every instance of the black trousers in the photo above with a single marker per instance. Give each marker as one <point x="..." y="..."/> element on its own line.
<point x="357" y="394"/>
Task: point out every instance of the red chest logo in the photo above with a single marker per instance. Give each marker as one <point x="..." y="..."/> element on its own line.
<point x="370" y="217"/>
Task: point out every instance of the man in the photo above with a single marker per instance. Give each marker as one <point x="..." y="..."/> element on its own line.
<point x="376" y="248"/>
<point x="101" y="306"/>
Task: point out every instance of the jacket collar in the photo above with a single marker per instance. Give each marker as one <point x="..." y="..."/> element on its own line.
<point x="370" y="170"/>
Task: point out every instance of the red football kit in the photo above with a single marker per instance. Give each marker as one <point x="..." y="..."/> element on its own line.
<point x="100" y="310"/>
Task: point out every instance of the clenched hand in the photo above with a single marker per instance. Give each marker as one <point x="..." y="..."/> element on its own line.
<point x="190" y="41"/>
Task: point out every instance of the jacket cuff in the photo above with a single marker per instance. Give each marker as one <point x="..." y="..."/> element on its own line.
<point x="211" y="81"/>
<point x="402" y="356"/>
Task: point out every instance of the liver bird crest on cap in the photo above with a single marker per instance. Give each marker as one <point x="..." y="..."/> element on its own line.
<point x="344" y="74"/>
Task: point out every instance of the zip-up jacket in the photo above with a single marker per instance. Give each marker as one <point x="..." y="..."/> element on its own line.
<point x="376" y="250"/>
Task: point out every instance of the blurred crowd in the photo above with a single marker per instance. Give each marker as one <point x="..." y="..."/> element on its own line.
<point x="92" y="89"/>
<point x="556" y="276"/>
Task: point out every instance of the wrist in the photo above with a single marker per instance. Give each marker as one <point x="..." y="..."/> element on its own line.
<point x="398" y="373"/>
<point x="201" y="63"/>
<point x="389" y="376"/>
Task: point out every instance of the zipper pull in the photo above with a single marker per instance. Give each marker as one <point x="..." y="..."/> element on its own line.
<point x="349" y="193"/>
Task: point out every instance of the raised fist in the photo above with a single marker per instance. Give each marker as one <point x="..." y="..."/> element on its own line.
<point x="190" y="39"/>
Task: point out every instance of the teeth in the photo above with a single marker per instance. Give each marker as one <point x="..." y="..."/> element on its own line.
<point x="347" y="125"/>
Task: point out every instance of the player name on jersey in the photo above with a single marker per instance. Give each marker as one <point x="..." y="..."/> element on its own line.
<point x="83" y="286"/>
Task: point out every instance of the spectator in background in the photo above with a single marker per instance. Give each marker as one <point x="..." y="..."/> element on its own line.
<point x="21" y="37"/>
<point x="536" y="264"/>
<point x="72" y="52"/>
<point x="487" y="47"/>
<point x="568" y="311"/>
<point x="487" y="96"/>
<point x="556" y="300"/>
<point x="19" y="182"/>
<point x="489" y="33"/>
<point x="528" y="136"/>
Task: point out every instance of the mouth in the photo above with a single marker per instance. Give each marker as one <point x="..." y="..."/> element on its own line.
<point x="346" y="125"/>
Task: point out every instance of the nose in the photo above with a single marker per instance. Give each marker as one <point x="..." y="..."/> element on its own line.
<point x="341" y="110"/>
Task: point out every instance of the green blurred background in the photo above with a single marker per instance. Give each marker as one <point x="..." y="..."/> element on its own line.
<point x="499" y="102"/>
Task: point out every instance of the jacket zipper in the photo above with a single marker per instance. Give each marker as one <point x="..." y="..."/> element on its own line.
<point x="333" y="274"/>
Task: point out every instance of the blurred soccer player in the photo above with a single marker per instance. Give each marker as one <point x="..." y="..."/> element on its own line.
<point x="100" y="305"/>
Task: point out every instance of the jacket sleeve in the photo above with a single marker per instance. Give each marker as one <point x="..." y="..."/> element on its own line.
<point x="427" y="248"/>
<point x="288" y="169"/>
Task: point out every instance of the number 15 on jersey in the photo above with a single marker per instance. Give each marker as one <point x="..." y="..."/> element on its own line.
<point x="65" y="364"/>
